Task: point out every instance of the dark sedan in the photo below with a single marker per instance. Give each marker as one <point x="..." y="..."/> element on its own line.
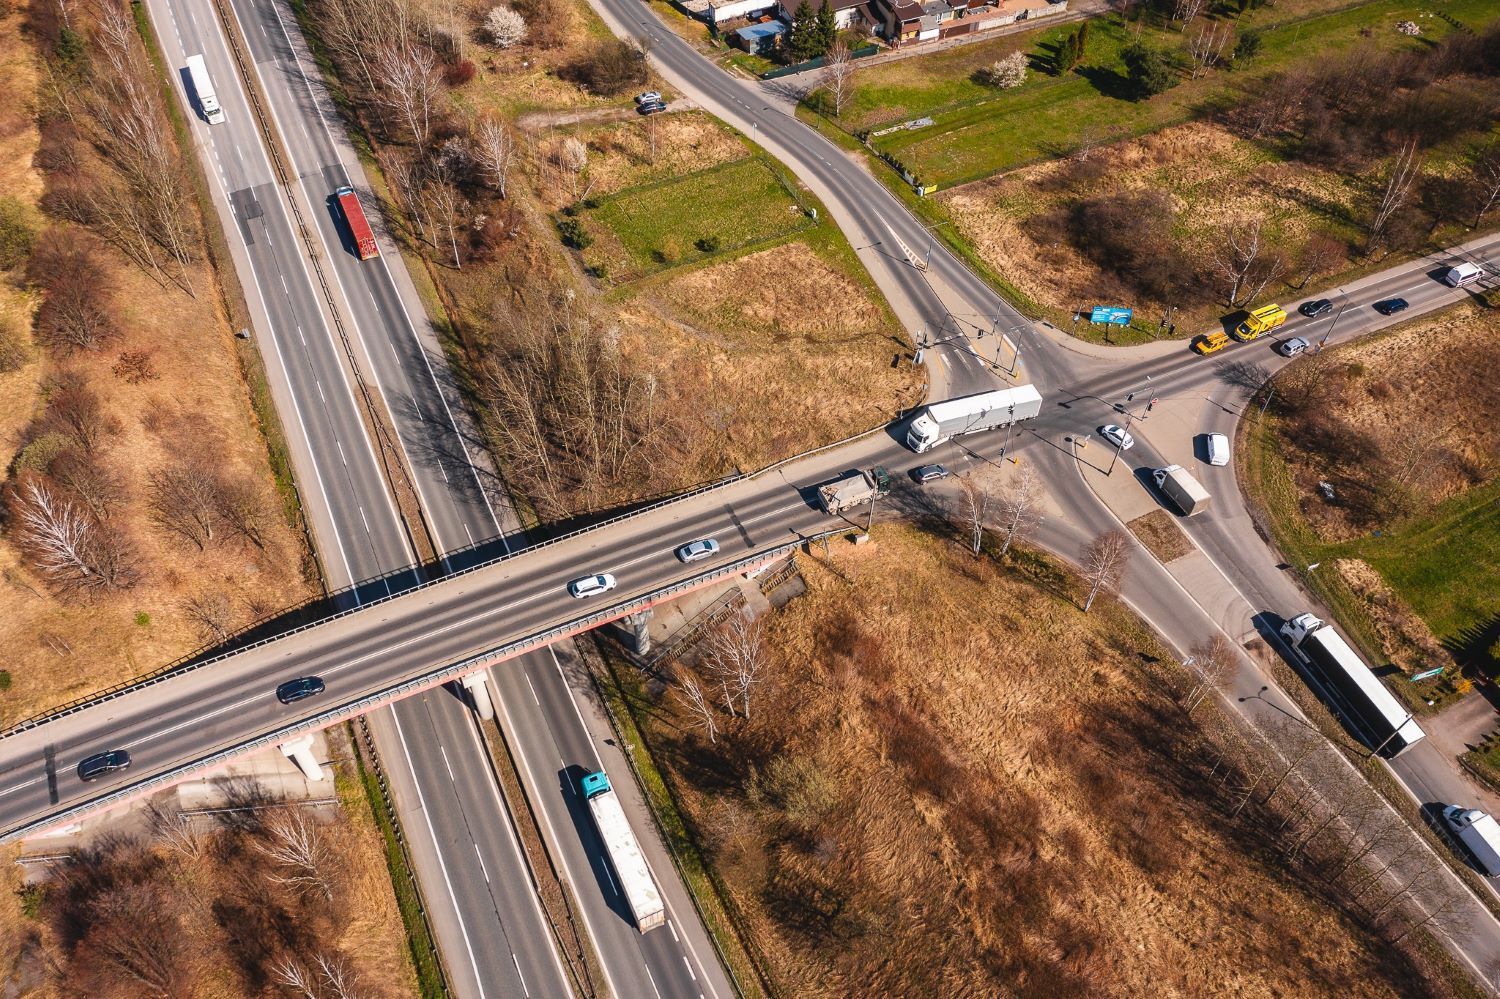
<point x="299" y="689"/>
<point x="1391" y="306"/>
<point x="1316" y="308"/>
<point x="100" y="764"/>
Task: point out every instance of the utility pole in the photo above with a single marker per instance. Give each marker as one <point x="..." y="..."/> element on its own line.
<point x="1409" y="716"/>
<point x="1120" y="446"/>
<point x="1329" y="331"/>
<point x="1009" y="429"/>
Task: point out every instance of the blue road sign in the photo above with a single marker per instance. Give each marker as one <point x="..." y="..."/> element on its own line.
<point x="1112" y="314"/>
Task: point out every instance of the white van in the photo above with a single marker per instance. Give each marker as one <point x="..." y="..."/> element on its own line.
<point x="1461" y="274"/>
<point x="1218" y="449"/>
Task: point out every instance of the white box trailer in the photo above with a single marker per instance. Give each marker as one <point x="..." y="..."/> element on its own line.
<point x="625" y="856"/>
<point x="203" y="90"/>
<point x="1390" y="727"/>
<point x="1479" y="832"/>
<point x="971" y="413"/>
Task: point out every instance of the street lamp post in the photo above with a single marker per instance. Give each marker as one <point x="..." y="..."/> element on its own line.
<point x="1376" y="751"/>
<point x="1120" y="446"/>
<point x="1329" y="331"/>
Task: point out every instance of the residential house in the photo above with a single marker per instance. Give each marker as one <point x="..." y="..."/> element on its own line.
<point x="759" y="39"/>
<point x="846" y="13"/>
<point x="717" y="12"/>
<point x="903" y="21"/>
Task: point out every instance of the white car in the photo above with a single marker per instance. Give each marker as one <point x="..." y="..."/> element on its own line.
<point x="592" y="586"/>
<point x="695" y="550"/>
<point x="1218" y="449"/>
<point x="649" y="97"/>
<point x="1117" y="436"/>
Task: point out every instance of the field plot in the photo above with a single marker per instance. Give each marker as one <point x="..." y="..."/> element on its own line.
<point x="982" y="791"/>
<point x="646" y="229"/>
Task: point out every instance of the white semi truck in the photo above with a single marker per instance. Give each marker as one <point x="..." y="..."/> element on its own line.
<point x="968" y="414"/>
<point x="1390" y="727"/>
<point x="1479" y="832"/>
<point x="625" y="856"/>
<point x="203" y="89"/>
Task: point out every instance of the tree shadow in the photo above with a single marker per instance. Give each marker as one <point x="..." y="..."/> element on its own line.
<point x="1472" y="649"/>
<point x="1109" y="82"/>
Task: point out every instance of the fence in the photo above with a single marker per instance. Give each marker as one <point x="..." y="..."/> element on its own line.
<point x="803" y="67"/>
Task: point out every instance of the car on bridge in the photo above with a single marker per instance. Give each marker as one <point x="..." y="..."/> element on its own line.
<point x="592" y="586"/>
<point x="299" y="689"/>
<point x="101" y="764"/>
<point x="1117" y="436"/>
<point x="695" y="550"/>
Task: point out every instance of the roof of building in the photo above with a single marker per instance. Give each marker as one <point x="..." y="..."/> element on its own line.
<point x="763" y="30"/>
<point x="790" y="6"/>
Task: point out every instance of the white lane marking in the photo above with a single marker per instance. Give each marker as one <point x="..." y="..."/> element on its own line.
<point x="688" y="966"/>
<point x="517" y="963"/>
<point x="674" y="931"/>
<point x="432" y="837"/>
<point x="486" y="872"/>
<point x="650" y="978"/>
<point x="447" y="765"/>
<point x="534" y="699"/>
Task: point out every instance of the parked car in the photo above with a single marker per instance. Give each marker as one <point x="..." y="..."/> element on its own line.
<point x="299" y="689"/>
<point x="1218" y="449"/>
<point x="1292" y="347"/>
<point x="1391" y="306"/>
<point x="592" y="586"/>
<point x="100" y="764"/>
<point x="1117" y="436"/>
<point x="694" y="550"/>
<point x="649" y="97"/>
<point x="929" y="473"/>
<point x="1315" y="308"/>
<point x="655" y="107"/>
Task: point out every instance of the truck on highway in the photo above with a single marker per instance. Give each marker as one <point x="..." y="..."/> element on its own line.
<point x="1366" y="706"/>
<point x="1179" y="486"/>
<point x="203" y="89"/>
<point x="359" y="226"/>
<point x="971" y="413"/>
<point x="1262" y="320"/>
<point x="625" y="856"/>
<point x="1479" y="832"/>
<point x="854" y="488"/>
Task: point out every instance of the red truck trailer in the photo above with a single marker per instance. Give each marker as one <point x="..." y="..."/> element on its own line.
<point x="359" y="226"/>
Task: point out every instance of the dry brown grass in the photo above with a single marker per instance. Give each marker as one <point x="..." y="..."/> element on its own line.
<point x="1353" y="411"/>
<point x="1159" y="532"/>
<point x="1214" y="179"/>
<point x="59" y="649"/>
<point x="620" y="154"/>
<point x="958" y="784"/>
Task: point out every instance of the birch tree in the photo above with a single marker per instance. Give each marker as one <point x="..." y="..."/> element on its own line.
<point x="1248" y="261"/>
<point x="1104" y="564"/>
<point x="68" y="548"/>
<point x="410" y="85"/>
<point x="690" y="694"/>
<point x="495" y="152"/>
<point x="838" y="76"/>
<point x="1400" y="179"/>
<point x="976" y="504"/>
<point x="1019" y="512"/>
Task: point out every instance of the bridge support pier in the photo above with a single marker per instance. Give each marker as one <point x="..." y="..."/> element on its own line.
<point x="633" y="627"/>
<point x="479" y="693"/>
<point x="299" y="751"/>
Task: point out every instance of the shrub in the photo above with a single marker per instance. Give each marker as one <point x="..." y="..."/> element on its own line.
<point x="32" y="898"/>
<point x="15" y="345"/>
<point x="16" y="234"/>
<point x="1249" y="44"/>
<point x="574" y="235"/>
<point x="39" y="455"/>
<point x="505" y="27"/>
<point x="459" y="73"/>
<point x="708" y="244"/>
<point x="612" y="68"/>
<point x="1149" y="70"/>
<point x="1007" y="72"/>
<point x="5" y="680"/>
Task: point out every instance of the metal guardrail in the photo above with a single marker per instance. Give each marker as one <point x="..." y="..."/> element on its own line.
<point x="354" y="709"/>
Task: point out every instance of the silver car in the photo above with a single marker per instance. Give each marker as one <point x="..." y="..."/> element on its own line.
<point x="695" y="550"/>
<point x="1292" y="347"/>
<point x="592" y="586"/>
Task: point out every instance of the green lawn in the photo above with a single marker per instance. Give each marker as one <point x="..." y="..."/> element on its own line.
<point x="646" y="229"/>
<point x="979" y="131"/>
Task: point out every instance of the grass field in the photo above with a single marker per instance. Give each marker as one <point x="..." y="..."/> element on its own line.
<point x="1438" y="551"/>
<point x="979" y="131"/>
<point x="686" y="219"/>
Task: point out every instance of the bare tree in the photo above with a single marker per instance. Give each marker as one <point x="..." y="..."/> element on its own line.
<point x="296" y="977"/>
<point x="133" y="939"/>
<point x="1018" y="510"/>
<point x="174" y="828"/>
<point x="1404" y="170"/>
<point x="1104" y="563"/>
<point x="1248" y="261"/>
<point x="337" y="976"/>
<point x="505" y="27"/>
<point x="410" y="86"/>
<point x="305" y="859"/>
<point x="976" y="506"/>
<point x="1187" y="11"/>
<point x="1206" y="46"/>
<point x="75" y="411"/>
<point x="690" y="694"/>
<point x="89" y="480"/>
<point x="449" y="210"/>
<point x="76" y="309"/>
<point x="495" y="152"/>
<point x="185" y="500"/>
<point x="735" y="654"/>
<point x="1295" y="743"/>
<point x="1212" y="662"/>
<point x="838" y="76"/>
<point x="1484" y="173"/>
<point x="407" y="180"/>
<point x="1321" y="254"/>
<point x="213" y="612"/>
<point x="72" y="551"/>
<point x="241" y="502"/>
<point x="573" y="158"/>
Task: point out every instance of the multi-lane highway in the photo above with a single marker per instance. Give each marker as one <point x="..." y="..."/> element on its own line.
<point x="471" y="867"/>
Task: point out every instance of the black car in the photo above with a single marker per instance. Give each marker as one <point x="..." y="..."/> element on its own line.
<point x="1316" y="308"/>
<point x="1391" y="306"/>
<point x="929" y="473"/>
<point x="295" y="690"/>
<point x="100" y="764"/>
<point x="651" y="107"/>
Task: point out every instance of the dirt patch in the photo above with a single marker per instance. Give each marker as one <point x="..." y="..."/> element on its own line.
<point x="984" y="792"/>
<point x="1159" y="532"/>
<point x="1404" y="636"/>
